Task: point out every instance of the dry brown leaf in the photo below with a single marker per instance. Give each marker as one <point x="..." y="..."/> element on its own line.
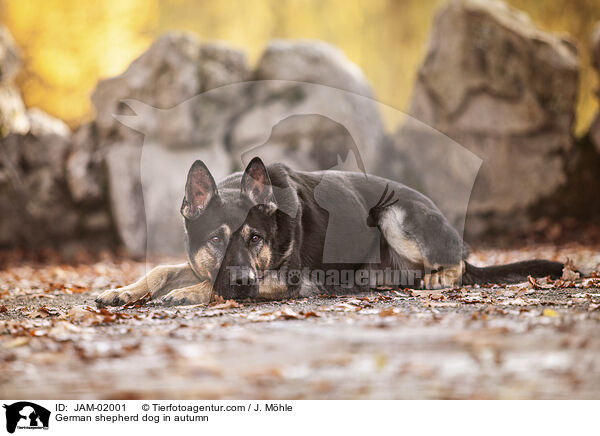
<point x="540" y="284"/>
<point x="81" y="315"/>
<point x="16" y="342"/>
<point x="139" y="302"/>
<point x="387" y="312"/>
<point x="63" y="331"/>
<point x="287" y="313"/>
<point x="216" y="299"/>
<point x="88" y="316"/>
<point x="3" y="308"/>
<point x="229" y="304"/>
<point x="433" y="294"/>
<point x="345" y="307"/>
<point x="569" y="272"/>
<point x="439" y="304"/>
<point x="42" y="312"/>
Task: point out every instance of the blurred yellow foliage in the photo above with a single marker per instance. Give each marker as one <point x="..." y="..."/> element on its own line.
<point x="69" y="44"/>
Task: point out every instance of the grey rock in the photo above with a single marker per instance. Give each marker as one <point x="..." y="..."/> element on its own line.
<point x="40" y="123"/>
<point x="171" y="106"/>
<point x="13" y="116"/>
<point x="502" y="91"/>
<point x="594" y="131"/>
<point x="175" y="68"/>
<point x="85" y="168"/>
<point x="309" y="105"/>
<point x="10" y="58"/>
<point x="36" y="205"/>
<point x="126" y="197"/>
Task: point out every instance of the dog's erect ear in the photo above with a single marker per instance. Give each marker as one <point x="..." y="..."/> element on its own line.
<point x="256" y="183"/>
<point x="200" y="189"/>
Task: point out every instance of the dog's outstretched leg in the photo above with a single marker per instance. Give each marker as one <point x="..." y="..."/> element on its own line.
<point x="200" y="293"/>
<point x="157" y="282"/>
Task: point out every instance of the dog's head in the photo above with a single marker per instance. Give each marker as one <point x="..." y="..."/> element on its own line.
<point x="229" y="232"/>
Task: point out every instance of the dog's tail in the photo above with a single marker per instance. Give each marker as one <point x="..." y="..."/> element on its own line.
<point x="511" y="272"/>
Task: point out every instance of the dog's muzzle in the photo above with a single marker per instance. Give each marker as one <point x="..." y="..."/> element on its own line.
<point x="238" y="282"/>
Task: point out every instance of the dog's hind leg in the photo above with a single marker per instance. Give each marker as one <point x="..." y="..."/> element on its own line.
<point x="157" y="282"/>
<point x="420" y="235"/>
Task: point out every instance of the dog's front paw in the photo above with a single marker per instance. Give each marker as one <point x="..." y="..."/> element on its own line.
<point x="187" y="296"/>
<point x="118" y="297"/>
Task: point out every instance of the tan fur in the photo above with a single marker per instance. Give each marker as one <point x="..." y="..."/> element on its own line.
<point x="195" y="294"/>
<point x="263" y="259"/>
<point x="401" y="243"/>
<point x="445" y="277"/>
<point x="272" y="288"/>
<point x="204" y="263"/>
<point x="245" y="231"/>
<point x="157" y="282"/>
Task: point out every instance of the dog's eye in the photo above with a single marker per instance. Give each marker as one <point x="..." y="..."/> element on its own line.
<point x="255" y="239"/>
<point x="215" y="240"/>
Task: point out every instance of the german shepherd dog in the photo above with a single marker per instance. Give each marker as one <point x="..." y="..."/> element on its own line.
<point x="260" y="233"/>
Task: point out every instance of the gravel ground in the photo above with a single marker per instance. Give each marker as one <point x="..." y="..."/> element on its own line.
<point x="533" y="340"/>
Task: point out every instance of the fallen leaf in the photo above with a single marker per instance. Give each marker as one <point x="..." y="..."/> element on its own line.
<point x="550" y="313"/>
<point x="387" y="312"/>
<point x="539" y="284"/>
<point x="43" y="296"/>
<point x="89" y="316"/>
<point x="345" y="307"/>
<point x="79" y="314"/>
<point x="217" y="299"/>
<point x="42" y="312"/>
<point x="139" y="302"/>
<point x="3" y="308"/>
<point x="287" y="313"/>
<point x="569" y="273"/>
<point x="16" y="342"/>
<point x="380" y="361"/>
<point x="63" y="331"/>
<point x="229" y="304"/>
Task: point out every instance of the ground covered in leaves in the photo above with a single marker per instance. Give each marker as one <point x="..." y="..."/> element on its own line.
<point x="538" y="339"/>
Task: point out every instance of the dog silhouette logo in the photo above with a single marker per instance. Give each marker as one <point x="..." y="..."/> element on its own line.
<point x="26" y="415"/>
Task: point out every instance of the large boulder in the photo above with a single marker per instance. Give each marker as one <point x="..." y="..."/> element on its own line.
<point x="52" y="183"/>
<point x="10" y="58"/>
<point x="595" y="52"/>
<point x="13" y="116"/>
<point x="503" y="91"/>
<point x="579" y="197"/>
<point x="309" y="105"/>
<point x="35" y="202"/>
<point x="152" y="122"/>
